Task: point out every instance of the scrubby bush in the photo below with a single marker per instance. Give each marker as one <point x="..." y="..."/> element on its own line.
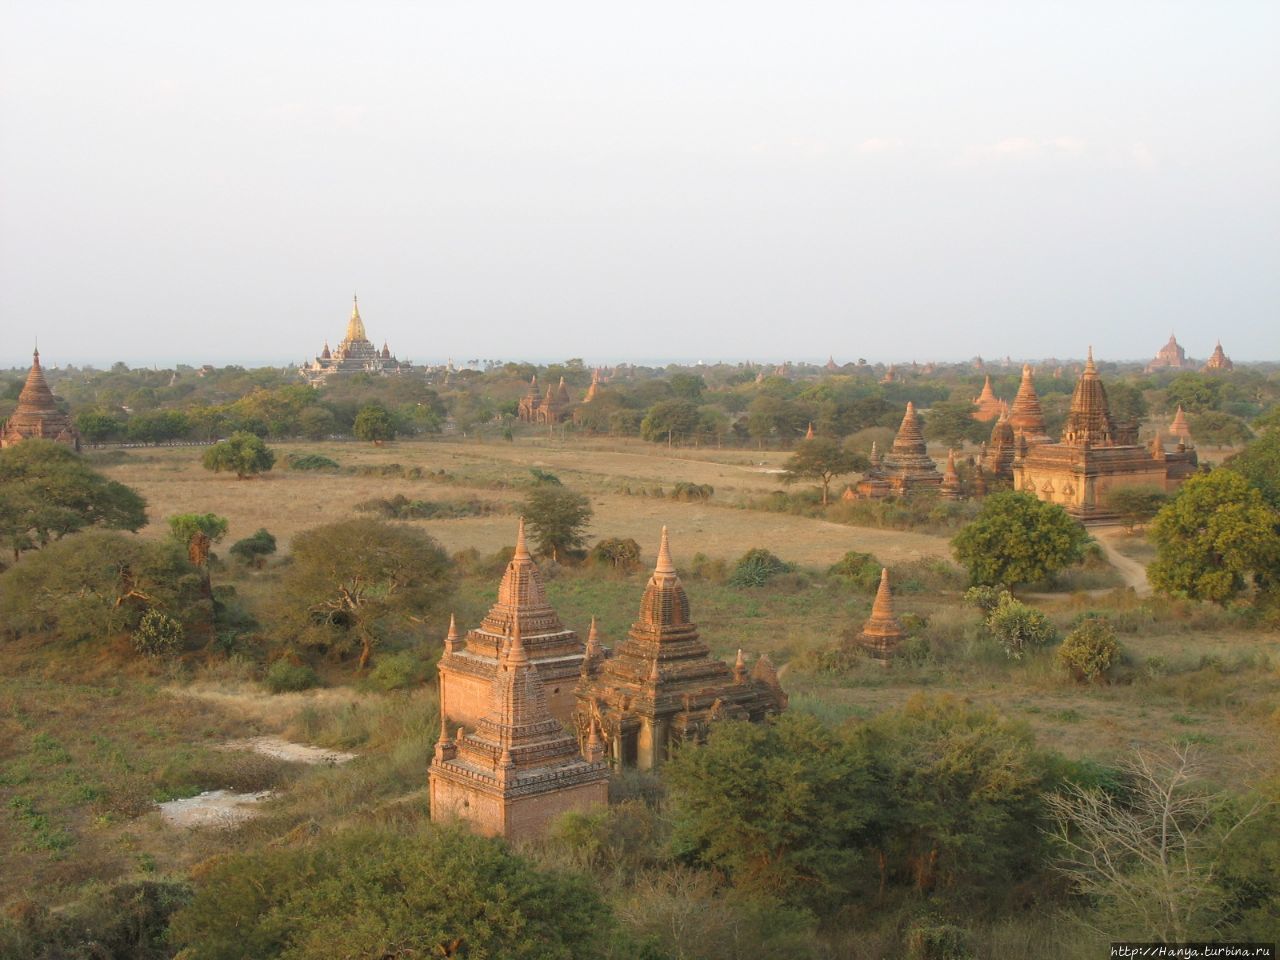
<point x="254" y="550"/>
<point x="986" y="599"/>
<point x="757" y="567"/>
<point x="158" y="635"/>
<point x="1018" y="627"/>
<point x="692" y="492"/>
<point x="862" y="570"/>
<point x="1090" y="650"/>
<point x="929" y="938"/>
<point x="399" y="671"/>
<point x="619" y="553"/>
<point x="707" y="568"/>
<point x="401" y="507"/>
<point x="285" y="677"/>
<point x="310" y="461"/>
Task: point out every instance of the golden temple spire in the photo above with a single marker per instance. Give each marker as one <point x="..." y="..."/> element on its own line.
<point x="355" y="326"/>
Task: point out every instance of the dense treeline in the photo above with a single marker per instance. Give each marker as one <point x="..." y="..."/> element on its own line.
<point x="722" y="404"/>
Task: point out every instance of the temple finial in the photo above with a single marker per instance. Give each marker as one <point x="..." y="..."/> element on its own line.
<point x="522" y="549"/>
<point x="664" y="566"/>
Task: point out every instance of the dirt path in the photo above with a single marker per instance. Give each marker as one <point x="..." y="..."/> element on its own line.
<point x="1133" y="572"/>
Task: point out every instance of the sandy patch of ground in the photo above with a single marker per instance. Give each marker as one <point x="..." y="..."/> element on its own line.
<point x="255" y="703"/>
<point x="279" y="749"/>
<point x="213" y="808"/>
<point x="1133" y="572"/>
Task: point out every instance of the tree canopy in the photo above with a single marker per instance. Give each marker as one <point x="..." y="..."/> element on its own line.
<point x="1017" y="538"/>
<point x="1259" y="463"/>
<point x="374" y="424"/>
<point x="357" y="582"/>
<point x="558" y="519"/>
<point x="382" y="892"/>
<point x="821" y="459"/>
<point x="242" y="453"/>
<point x="1216" y="532"/>
<point x="48" y="491"/>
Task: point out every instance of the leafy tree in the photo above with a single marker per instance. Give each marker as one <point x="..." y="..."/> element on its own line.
<point x="964" y="787"/>
<point x="821" y="459"/>
<point x="1090" y="650"/>
<point x="1126" y="402"/>
<point x="98" y="427"/>
<point x="952" y="424"/>
<point x="244" y="453"/>
<point x="362" y="580"/>
<point x="785" y="809"/>
<point x="255" y="549"/>
<point x="687" y="386"/>
<point x="1017" y="538"/>
<point x="1219" y="429"/>
<point x="769" y="416"/>
<point x="317" y="423"/>
<point x="1194" y="392"/>
<point x="558" y="519"/>
<point x="670" y="421"/>
<point x="860" y="569"/>
<point x="1212" y="536"/>
<point x="100" y="584"/>
<point x="197" y="531"/>
<point x="1136" y="505"/>
<point x="48" y="491"/>
<point x="374" y="424"/>
<point x="157" y="426"/>
<point x="620" y="553"/>
<point x="1259" y="463"/>
<point x="382" y="891"/>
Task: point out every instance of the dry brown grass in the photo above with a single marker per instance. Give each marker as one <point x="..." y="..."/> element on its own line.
<point x="287" y="502"/>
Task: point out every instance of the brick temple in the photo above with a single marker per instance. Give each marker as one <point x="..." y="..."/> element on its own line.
<point x="469" y="665"/>
<point x="1093" y="459"/>
<point x="661" y="686"/>
<point x="905" y="469"/>
<point x="518" y="770"/>
<point x="882" y="634"/>
<point x="37" y="415"/>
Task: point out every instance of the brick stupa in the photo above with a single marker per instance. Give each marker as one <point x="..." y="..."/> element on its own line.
<point x="662" y="686"/>
<point x="467" y="668"/>
<point x="950" y="488"/>
<point x="1026" y="416"/>
<point x="1179" y="427"/>
<point x="907" y="467"/>
<point x="37" y="416"/>
<point x="882" y="634"/>
<point x="997" y="459"/>
<point x="1169" y="357"/>
<point x="519" y="769"/>
<point x="987" y="403"/>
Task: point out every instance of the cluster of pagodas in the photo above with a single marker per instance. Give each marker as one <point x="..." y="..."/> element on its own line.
<point x="1095" y="457"/>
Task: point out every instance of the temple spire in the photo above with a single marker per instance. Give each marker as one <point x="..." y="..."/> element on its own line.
<point x="522" y="550"/>
<point x="664" y="567"/>
<point x="451" y="638"/>
<point x="355" y="326"/>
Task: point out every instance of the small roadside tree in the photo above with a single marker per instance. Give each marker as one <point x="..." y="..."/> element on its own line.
<point x="243" y="453"/>
<point x="197" y="532"/>
<point x="558" y="519"/>
<point x="1214" y="534"/>
<point x="1017" y="538"/>
<point x="821" y="459"/>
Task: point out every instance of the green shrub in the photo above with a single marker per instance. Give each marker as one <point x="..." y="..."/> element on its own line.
<point x="285" y="677"/>
<point x="619" y="553"/>
<point x="929" y="938"/>
<point x="860" y="569"/>
<point x="757" y="567"/>
<point x="1090" y="650"/>
<point x="158" y="635"/>
<point x="692" y="492"/>
<point x="401" y="507"/>
<point x="310" y="461"/>
<point x="254" y="550"/>
<point x="398" y="671"/>
<point x="986" y="599"/>
<point x="703" y="567"/>
<point x="1019" y="627"/>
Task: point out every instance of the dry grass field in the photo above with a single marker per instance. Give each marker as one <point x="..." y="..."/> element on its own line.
<point x="287" y="502"/>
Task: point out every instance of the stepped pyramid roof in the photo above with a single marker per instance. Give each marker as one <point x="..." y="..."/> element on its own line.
<point x="1026" y="415"/>
<point x="882" y="633"/>
<point x="1089" y="420"/>
<point x="37" y="416"/>
<point x="987" y="402"/>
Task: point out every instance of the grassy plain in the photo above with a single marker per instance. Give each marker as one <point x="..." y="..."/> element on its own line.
<point x="90" y="739"/>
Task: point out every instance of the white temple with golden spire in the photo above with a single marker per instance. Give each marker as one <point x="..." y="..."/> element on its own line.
<point x="355" y="354"/>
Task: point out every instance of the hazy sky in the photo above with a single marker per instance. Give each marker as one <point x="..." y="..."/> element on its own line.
<point x="210" y="182"/>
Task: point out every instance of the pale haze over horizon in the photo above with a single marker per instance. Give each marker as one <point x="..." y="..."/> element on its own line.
<point x="895" y="181"/>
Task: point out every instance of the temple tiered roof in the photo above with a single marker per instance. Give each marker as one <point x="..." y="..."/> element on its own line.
<point x="1089" y="420"/>
<point x="908" y="461"/>
<point x="1218" y="361"/>
<point x="355" y="354"/>
<point x="521" y="604"/>
<point x="997" y="460"/>
<point x="1169" y="357"/>
<point x="1179" y="427"/>
<point x="662" y="685"/>
<point x="37" y="416"/>
<point x="951" y="489"/>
